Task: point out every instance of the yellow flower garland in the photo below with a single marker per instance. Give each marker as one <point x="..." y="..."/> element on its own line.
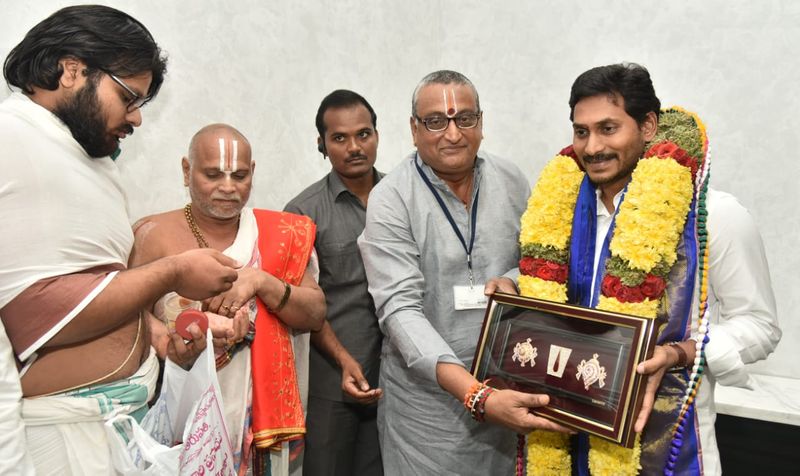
<point x="646" y="308"/>
<point x="648" y="228"/>
<point x="652" y="216"/>
<point x="548" y="290"/>
<point x="553" y="198"/>
<point x="547" y="222"/>
<point x="610" y="459"/>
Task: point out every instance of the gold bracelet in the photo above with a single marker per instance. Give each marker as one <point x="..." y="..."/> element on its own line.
<point x="287" y="291"/>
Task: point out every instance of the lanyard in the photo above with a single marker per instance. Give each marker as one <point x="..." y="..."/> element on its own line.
<point x="473" y="219"/>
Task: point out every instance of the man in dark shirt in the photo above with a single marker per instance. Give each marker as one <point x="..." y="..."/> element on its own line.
<point x="342" y="436"/>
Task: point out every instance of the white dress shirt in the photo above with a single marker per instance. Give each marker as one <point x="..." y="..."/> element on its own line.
<point x="742" y="313"/>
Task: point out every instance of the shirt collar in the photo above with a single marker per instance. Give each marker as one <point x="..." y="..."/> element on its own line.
<point x="428" y="171"/>
<point x="601" y="207"/>
<point x="338" y="187"/>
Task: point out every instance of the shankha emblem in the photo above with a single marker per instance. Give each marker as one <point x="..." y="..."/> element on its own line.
<point x="591" y="372"/>
<point x="524" y="352"/>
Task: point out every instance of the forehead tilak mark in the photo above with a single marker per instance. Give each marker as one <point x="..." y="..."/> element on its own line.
<point x="228" y="164"/>
<point x="235" y="156"/>
<point x="450" y="109"/>
<point x="221" y="154"/>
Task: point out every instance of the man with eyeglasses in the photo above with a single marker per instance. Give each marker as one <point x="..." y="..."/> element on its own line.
<point x="438" y="227"/>
<point x="70" y="309"/>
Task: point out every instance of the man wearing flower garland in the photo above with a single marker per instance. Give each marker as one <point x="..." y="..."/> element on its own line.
<point x="643" y="240"/>
<point x="439" y="225"/>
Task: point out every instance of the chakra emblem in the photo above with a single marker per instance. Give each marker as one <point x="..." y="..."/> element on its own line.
<point x="524" y="352"/>
<point x="591" y="372"/>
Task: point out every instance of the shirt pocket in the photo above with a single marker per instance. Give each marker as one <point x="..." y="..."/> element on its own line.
<point x="340" y="263"/>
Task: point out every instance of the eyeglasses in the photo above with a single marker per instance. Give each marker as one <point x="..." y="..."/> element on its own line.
<point x="440" y="122"/>
<point x="137" y="101"/>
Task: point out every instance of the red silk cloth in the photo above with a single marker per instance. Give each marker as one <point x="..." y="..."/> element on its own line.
<point x="285" y="243"/>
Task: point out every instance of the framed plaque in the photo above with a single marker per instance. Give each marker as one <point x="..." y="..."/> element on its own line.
<point x="584" y="359"/>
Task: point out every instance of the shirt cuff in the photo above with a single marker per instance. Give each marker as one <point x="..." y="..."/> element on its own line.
<point x="513" y="275"/>
<point x="421" y="347"/>
<point x="724" y="362"/>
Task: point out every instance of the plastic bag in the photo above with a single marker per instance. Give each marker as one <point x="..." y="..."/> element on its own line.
<point x="190" y="405"/>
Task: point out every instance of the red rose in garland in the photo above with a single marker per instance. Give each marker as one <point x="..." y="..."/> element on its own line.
<point x="652" y="287"/>
<point x="543" y="269"/>
<point x="663" y="149"/>
<point x="552" y="272"/>
<point x="569" y="151"/>
<point x="611" y="285"/>
<point x="666" y="149"/>
<point x="527" y="265"/>
<point x="627" y="294"/>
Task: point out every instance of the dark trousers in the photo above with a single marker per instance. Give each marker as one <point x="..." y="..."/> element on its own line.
<point x="341" y="439"/>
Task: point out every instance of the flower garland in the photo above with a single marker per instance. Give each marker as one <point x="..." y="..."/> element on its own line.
<point x="649" y="224"/>
<point x="648" y="228"/>
<point x="545" y="230"/>
<point x="546" y="227"/>
<point x="677" y="123"/>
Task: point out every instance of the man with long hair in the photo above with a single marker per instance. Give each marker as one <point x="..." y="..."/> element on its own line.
<point x="69" y="306"/>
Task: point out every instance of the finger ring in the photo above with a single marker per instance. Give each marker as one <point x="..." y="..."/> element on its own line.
<point x="224" y="307"/>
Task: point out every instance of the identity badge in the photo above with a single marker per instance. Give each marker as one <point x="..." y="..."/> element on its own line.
<point x="469" y="297"/>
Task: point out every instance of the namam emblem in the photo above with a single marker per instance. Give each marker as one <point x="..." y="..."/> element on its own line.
<point x="591" y="372"/>
<point x="524" y="352"/>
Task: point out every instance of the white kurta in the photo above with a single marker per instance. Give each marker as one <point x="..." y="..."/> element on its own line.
<point x="413" y="259"/>
<point x="742" y="311"/>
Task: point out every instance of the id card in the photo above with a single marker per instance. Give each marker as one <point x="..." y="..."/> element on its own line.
<point x="469" y="297"/>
